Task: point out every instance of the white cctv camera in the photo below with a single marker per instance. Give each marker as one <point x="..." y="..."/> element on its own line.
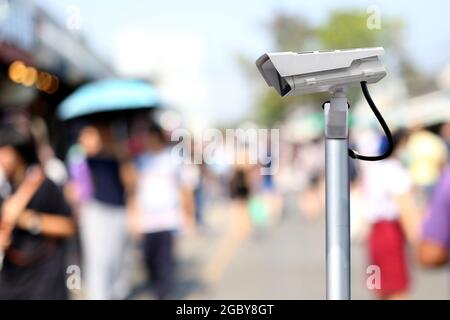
<point x="291" y="73"/>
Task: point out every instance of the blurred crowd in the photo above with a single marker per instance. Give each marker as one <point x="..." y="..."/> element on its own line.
<point x="114" y="193"/>
<point x="92" y="183"/>
<point x="399" y="206"/>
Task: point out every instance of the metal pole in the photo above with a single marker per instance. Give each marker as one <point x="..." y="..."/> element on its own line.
<point x="337" y="198"/>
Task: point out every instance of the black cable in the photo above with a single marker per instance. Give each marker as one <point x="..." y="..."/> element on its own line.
<point x="353" y="154"/>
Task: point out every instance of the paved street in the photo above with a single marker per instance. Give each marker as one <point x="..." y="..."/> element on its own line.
<point x="285" y="263"/>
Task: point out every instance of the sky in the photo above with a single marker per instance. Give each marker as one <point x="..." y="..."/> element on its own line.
<point x="190" y="47"/>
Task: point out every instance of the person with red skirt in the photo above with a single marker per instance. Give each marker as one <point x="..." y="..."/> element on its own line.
<point x="394" y="219"/>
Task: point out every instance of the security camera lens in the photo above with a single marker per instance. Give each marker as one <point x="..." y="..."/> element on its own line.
<point x="283" y="87"/>
<point x="273" y="77"/>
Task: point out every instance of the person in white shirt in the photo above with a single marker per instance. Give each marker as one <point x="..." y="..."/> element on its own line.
<point x="161" y="197"/>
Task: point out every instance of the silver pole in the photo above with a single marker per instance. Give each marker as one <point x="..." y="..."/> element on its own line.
<point x="337" y="198"/>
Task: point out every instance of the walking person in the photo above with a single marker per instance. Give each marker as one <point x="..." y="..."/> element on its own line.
<point x="99" y="195"/>
<point x="35" y="223"/>
<point x="158" y="202"/>
<point x="394" y="218"/>
<point x="434" y="245"/>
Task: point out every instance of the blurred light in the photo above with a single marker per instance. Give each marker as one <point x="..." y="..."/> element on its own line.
<point x="17" y="71"/>
<point x="54" y="84"/>
<point x="30" y="76"/>
<point x="44" y="81"/>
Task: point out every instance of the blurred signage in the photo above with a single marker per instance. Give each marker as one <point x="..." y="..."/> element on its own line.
<point x="27" y="28"/>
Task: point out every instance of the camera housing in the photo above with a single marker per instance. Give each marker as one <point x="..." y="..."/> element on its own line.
<point x="291" y="73"/>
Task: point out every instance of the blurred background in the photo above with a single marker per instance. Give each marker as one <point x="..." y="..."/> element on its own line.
<point x="251" y="236"/>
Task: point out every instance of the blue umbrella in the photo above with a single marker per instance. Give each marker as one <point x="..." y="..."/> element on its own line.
<point x="107" y="96"/>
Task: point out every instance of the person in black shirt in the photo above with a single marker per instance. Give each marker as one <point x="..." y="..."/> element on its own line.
<point x="101" y="215"/>
<point x="35" y="220"/>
